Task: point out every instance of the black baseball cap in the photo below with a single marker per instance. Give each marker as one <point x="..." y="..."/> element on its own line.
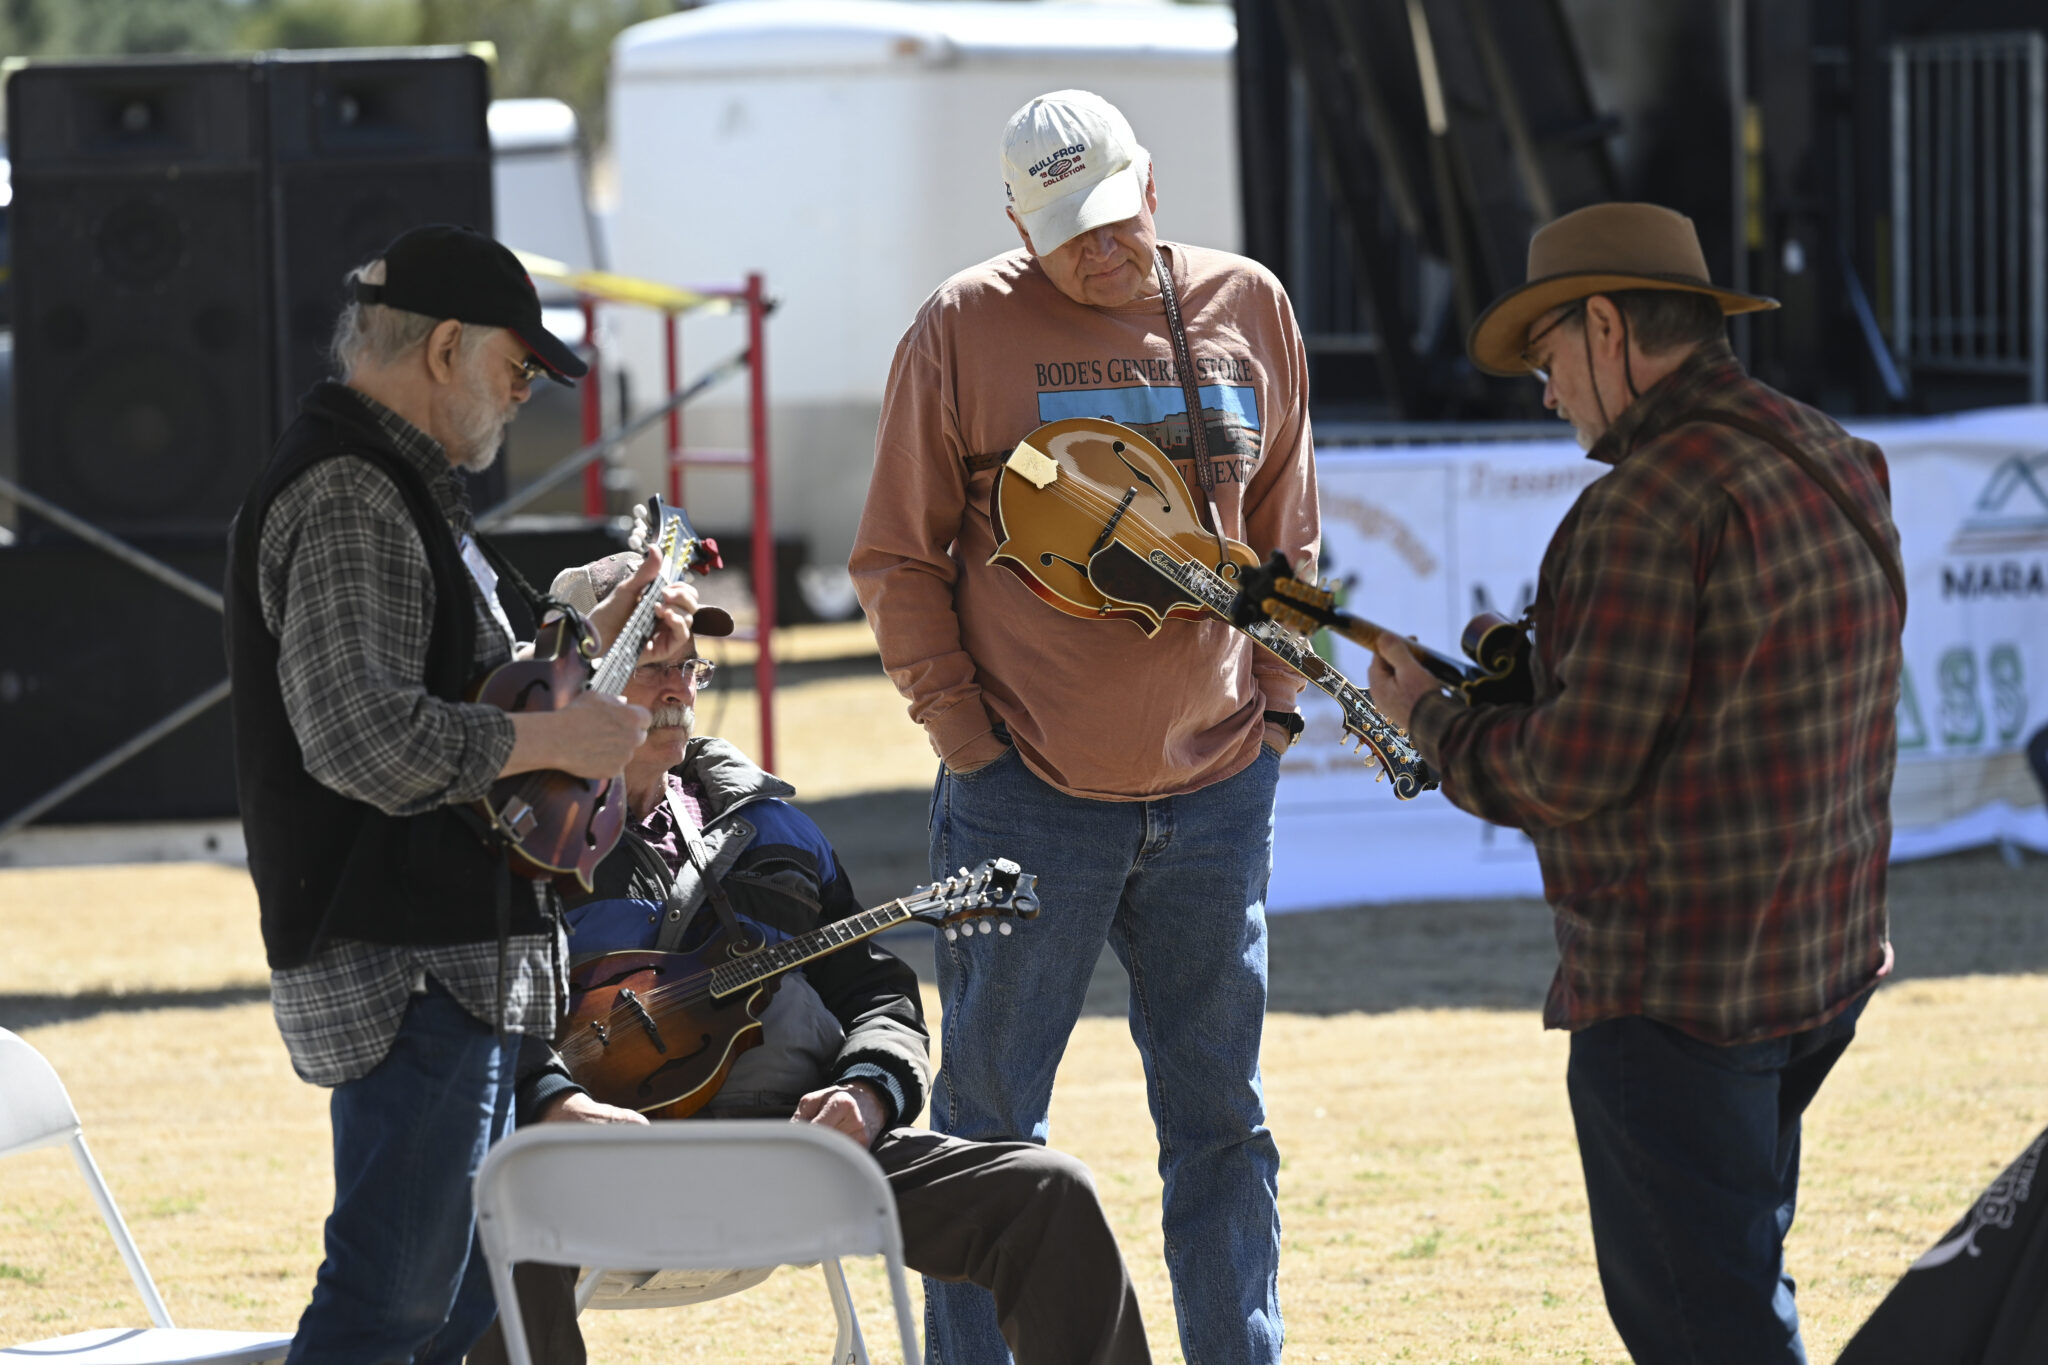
<point x="445" y="271"/>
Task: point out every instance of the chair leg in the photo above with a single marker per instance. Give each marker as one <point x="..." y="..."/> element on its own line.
<point x="586" y="1288"/>
<point x="848" y="1348"/>
<point x="110" y="1214"/>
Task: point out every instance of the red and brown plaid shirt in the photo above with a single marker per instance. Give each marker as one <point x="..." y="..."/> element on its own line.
<point x="1707" y="770"/>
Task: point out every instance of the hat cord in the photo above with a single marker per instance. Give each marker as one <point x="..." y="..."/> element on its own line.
<point x="1628" y="375"/>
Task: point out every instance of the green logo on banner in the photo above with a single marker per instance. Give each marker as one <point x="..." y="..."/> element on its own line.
<point x="2008" y="690"/>
<point x="1961" y="714"/>
<point x="1912" y="726"/>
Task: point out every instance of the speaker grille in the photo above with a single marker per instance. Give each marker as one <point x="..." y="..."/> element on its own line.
<point x="140" y="243"/>
<point x="181" y="231"/>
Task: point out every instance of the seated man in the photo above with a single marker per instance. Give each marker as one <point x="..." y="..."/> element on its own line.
<point x="844" y="1042"/>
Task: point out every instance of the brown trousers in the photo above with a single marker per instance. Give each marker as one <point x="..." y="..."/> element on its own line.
<point x="1020" y="1220"/>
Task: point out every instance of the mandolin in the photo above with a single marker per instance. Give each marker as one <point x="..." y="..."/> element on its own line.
<point x="1099" y="524"/>
<point x="659" y="1032"/>
<point x="555" y="824"/>
<point x="1499" y="674"/>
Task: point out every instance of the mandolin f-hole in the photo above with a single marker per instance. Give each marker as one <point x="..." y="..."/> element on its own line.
<point x="647" y="1082"/>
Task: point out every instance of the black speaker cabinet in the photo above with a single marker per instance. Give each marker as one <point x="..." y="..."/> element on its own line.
<point x="72" y="692"/>
<point x="141" y="291"/>
<point x="363" y="148"/>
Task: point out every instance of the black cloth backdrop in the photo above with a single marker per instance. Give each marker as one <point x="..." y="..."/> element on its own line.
<point x="1979" y="1296"/>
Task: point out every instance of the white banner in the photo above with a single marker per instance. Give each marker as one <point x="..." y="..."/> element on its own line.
<point x="1422" y="538"/>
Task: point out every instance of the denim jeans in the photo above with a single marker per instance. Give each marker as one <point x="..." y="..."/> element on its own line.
<point x="404" y="1280"/>
<point x="1177" y="887"/>
<point x="1691" y="1153"/>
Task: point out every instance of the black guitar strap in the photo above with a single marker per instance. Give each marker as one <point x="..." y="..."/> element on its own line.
<point x="537" y="602"/>
<point x="743" y="939"/>
<point x="1191" y="394"/>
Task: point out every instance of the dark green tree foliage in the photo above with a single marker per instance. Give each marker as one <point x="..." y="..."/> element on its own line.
<point x="560" y="48"/>
<point x="545" y="47"/>
<point x="118" y="27"/>
<point x="270" y="24"/>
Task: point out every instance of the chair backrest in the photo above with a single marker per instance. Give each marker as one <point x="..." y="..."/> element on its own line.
<point x="736" y="1193"/>
<point x="35" y="1111"/>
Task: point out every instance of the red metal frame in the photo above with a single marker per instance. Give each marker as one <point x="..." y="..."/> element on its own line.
<point x="753" y="297"/>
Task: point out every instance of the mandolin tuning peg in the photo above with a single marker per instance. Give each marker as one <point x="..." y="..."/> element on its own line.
<point x="952" y="934"/>
<point x="1003" y="928"/>
<point x="987" y="927"/>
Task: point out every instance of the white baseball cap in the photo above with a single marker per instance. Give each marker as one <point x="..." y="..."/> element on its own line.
<point x="1071" y="164"/>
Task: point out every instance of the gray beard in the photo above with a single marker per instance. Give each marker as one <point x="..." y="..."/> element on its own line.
<point x="480" y="428"/>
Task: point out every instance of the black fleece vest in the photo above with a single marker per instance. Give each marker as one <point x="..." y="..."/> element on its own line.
<point x="326" y="866"/>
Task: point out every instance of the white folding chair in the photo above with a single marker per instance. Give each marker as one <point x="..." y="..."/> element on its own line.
<point x="732" y="1193"/>
<point x="36" y="1112"/>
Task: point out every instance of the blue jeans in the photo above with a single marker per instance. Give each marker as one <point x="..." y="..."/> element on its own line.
<point x="404" y="1280"/>
<point x="1177" y="887"/>
<point x="1691" y="1153"/>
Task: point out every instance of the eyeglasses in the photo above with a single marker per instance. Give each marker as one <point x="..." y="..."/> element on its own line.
<point x="698" y="671"/>
<point x="529" y="369"/>
<point x="1527" y="356"/>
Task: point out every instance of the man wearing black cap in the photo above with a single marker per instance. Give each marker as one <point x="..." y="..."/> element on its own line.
<point x="360" y="609"/>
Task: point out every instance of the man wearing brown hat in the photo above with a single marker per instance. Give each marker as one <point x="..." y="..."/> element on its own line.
<point x="360" y="609"/>
<point x="1705" y="771"/>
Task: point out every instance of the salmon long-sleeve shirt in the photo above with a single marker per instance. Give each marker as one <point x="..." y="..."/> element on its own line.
<point x="1094" y="707"/>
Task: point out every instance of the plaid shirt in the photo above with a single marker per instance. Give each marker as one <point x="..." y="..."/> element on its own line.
<point x="1707" y="770"/>
<point x="344" y="585"/>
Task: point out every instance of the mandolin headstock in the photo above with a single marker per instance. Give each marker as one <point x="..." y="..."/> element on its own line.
<point x="667" y="528"/>
<point x="1386" y="748"/>
<point x="989" y="896"/>
<point x="1271" y="592"/>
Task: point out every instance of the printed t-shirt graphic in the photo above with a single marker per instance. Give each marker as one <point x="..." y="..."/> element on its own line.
<point x="1230" y="415"/>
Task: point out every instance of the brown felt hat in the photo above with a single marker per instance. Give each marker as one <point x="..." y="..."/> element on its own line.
<point x="1597" y="250"/>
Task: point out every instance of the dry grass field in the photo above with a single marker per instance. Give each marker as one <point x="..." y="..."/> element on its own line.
<point x="1431" y="1198"/>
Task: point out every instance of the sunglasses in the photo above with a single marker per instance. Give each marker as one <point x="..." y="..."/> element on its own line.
<point x="698" y="671"/>
<point x="1527" y="355"/>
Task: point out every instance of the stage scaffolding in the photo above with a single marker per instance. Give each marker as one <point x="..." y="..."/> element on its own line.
<point x="1970" y="205"/>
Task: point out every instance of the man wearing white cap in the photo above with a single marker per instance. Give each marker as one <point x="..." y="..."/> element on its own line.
<point x="1134" y="775"/>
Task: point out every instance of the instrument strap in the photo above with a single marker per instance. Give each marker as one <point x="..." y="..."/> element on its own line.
<point x="743" y="939"/>
<point x="1191" y="394"/>
<point x="1886" y="561"/>
<point x="537" y="602"/>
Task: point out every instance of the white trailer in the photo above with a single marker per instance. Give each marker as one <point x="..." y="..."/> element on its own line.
<point x="847" y="149"/>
